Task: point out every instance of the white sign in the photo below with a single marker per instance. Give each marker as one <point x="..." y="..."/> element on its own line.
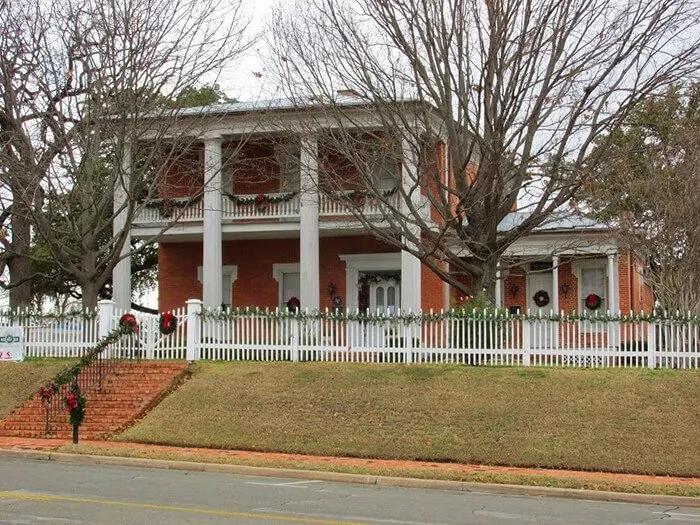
<point x="11" y="343"/>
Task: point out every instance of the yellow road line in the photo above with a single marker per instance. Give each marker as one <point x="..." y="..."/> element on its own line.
<point x="150" y="506"/>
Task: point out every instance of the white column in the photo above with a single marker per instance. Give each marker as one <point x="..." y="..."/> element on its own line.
<point x="555" y="284"/>
<point x="121" y="273"/>
<point x="613" y="302"/>
<point x="308" y="225"/>
<point x="211" y="258"/>
<point x="499" y="286"/>
<point x="410" y="264"/>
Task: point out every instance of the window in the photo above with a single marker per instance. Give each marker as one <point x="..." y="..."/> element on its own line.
<point x="229" y="159"/>
<point x="593" y="282"/>
<point x="287" y="155"/>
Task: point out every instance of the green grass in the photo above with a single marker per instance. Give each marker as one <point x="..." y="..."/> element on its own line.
<point x="637" y="421"/>
<point x="19" y="381"/>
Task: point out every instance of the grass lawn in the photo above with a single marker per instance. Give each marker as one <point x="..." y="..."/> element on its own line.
<point x="638" y="421"/>
<point x="19" y="381"/>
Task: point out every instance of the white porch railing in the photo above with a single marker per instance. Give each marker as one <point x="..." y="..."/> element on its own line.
<point x="269" y="208"/>
<point x="150" y="215"/>
<point x="330" y="207"/>
<point x="474" y="338"/>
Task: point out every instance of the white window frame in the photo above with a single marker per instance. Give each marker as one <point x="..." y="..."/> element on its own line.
<point x="278" y="271"/>
<point x="288" y="157"/>
<point x="365" y="262"/>
<point x="229" y="275"/>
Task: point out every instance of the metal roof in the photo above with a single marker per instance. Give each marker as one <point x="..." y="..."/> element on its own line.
<point x="279" y="104"/>
<point x="558" y="221"/>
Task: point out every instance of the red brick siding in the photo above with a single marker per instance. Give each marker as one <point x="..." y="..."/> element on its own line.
<point x="432" y="290"/>
<point x="177" y="274"/>
<point x="255" y="285"/>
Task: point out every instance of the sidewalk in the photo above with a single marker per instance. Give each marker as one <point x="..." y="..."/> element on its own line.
<point x="294" y="460"/>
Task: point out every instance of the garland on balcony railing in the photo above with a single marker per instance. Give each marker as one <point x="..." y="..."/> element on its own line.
<point x="69" y="375"/>
<point x="261" y="200"/>
<point x="495" y="315"/>
<point x="358" y="197"/>
<point x="167" y="205"/>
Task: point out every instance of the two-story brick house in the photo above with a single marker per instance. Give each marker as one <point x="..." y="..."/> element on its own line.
<point x="264" y="229"/>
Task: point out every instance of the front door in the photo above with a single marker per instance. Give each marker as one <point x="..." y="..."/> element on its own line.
<point x="290" y="288"/>
<point x="540" y="300"/>
<point x="384" y="296"/>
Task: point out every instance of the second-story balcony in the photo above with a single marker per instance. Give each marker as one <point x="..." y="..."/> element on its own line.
<point x="264" y="208"/>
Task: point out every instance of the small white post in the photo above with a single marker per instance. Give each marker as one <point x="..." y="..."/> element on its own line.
<point x="526" y="342"/>
<point x="105" y="314"/>
<point x="194" y="309"/>
<point x="651" y="344"/>
<point x="295" y="337"/>
<point x="408" y="341"/>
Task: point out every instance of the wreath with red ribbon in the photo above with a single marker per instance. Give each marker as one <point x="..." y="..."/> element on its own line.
<point x="541" y="298"/>
<point x="593" y="301"/>
<point x="129" y="322"/>
<point x="261" y="202"/>
<point x="167" y="323"/>
<point x="293" y="304"/>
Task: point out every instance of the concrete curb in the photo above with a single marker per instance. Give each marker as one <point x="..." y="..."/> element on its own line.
<point x="461" y="486"/>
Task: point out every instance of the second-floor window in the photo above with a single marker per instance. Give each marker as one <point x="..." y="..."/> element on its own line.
<point x="287" y="157"/>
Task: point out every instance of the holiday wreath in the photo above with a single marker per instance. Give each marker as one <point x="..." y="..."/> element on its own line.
<point x="541" y="298"/>
<point x="593" y="301"/>
<point x="129" y="322"/>
<point x="293" y="304"/>
<point x="167" y="323"/>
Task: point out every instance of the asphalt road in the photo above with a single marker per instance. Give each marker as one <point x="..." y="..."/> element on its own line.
<point x="47" y="492"/>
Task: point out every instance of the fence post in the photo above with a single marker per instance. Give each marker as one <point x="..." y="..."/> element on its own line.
<point x="194" y="309"/>
<point x="651" y="344"/>
<point x="105" y="313"/>
<point x="408" y="341"/>
<point x="295" y="336"/>
<point x="526" y="342"/>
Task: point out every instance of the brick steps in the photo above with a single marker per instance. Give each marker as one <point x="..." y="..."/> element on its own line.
<point x="125" y="394"/>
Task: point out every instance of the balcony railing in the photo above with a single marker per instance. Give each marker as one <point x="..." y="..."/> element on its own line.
<point x="262" y="206"/>
<point x="265" y="207"/>
<point x="371" y="207"/>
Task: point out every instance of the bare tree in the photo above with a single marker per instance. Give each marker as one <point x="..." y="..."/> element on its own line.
<point x="648" y="183"/>
<point x="78" y="77"/>
<point x="520" y="91"/>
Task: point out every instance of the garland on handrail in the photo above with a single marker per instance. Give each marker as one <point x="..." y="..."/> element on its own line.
<point x="52" y="316"/>
<point x="496" y="315"/>
<point x="261" y="200"/>
<point x="358" y="196"/>
<point x="69" y="375"/>
<point x="167" y="205"/>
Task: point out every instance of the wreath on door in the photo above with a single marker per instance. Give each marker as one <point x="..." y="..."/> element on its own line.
<point x="293" y="304"/>
<point x="593" y="301"/>
<point x="541" y="298"/>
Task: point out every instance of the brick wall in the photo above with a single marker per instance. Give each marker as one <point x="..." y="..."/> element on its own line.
<point x="256" y="286"/>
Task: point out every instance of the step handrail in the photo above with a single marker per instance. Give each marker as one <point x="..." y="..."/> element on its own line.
<point x="93" y="366"/>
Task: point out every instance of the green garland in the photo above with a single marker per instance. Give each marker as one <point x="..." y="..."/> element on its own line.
<point x="70" y="374"/>
<point x="53" y="316"/>
<point x="495" y="315"/>
<point x="358" y="196"/>
<point x="167" y="205"/>
<point x="261" y="199"/>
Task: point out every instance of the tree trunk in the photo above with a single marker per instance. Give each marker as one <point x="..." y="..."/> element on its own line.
<point x="89" y="291"/>
<point x="19" y="262"/>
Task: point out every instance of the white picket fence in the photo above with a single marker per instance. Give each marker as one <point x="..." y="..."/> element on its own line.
<point x="479" y="338"/>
